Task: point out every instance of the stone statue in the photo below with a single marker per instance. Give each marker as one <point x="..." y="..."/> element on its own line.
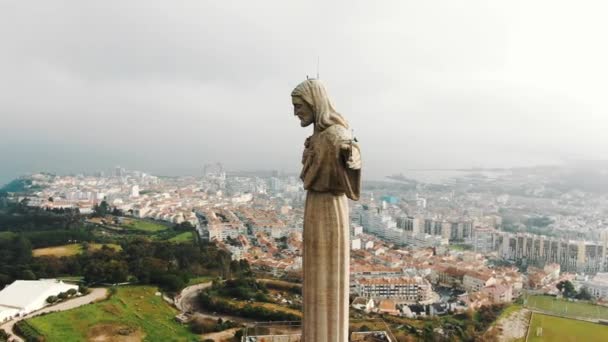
<point x="331" y="173"/>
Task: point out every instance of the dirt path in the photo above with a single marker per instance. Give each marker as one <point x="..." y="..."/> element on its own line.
<point x="95" y="295"/>
<point x="513" y="326"/>
<point x="220" y="336"/>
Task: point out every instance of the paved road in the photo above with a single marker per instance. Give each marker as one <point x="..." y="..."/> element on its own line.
<point x="95" y="295"/>
<point x="186" y="300"/>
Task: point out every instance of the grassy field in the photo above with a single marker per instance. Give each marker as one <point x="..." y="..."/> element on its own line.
<point x="181" y="238"/>
<point x="566" y="308"/>
<point x="199" y="280"/>
<point x="563" y="329"/>
<point x="7" y="235"/>
<point x="269" y="306"/>
<point x="279" y="283"/>
<point x="59" y="251"/>
<point x="98" y="246"/>
<point x="134" y="311"/>
<point x="69" y="250"/>
<point x="141" y="225"/>
<point x="461" y="247"/>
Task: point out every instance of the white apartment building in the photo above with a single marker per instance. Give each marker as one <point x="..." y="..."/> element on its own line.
<point x="571" y="255"/>
<point x="407" y="289"/>
<point x="355" y="244"/>
<point x="475" y="281"/>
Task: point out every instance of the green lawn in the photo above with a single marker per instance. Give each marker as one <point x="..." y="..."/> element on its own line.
<point x="563" y="307"/>
<point x="181" y="238"/>
<point x="98" y="246"/>
<point x="145" y="226"/>
<point x="7" y="235"/>
<point x="460" y="247"/>
<point x="563" y="329"/>
<point x="199" y="280"/>
<point x="133" y="308"/>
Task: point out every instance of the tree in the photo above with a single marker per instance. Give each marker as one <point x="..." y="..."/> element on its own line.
<point x="584" y="294"/>
<point x="170" y="282"/>
<point x="185" y="226"/>
<point x="566" y="288"/>
<point x="22" y="250"/>
<point x="28" y="275"/>
<point x="117" y="270"/>
<point x="83" y="289"/>
<point x="3" y="335"/>
<point x="102" y="209"/>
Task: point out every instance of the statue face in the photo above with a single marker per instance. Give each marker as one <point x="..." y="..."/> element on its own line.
<point x="302" y="110"/>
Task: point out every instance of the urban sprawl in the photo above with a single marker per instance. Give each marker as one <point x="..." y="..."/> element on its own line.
<point x="416" y="249"/>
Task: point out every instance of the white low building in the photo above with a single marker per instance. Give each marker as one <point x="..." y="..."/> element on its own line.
<point x="598" y="286"/>
<point x="7" y="313"/>
<point x="25" y="296"/>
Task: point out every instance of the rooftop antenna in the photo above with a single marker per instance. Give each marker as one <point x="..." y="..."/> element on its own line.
<point x="318" y="62"/>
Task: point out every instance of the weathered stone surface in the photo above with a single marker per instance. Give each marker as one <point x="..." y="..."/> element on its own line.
<point x="331" y="173"/>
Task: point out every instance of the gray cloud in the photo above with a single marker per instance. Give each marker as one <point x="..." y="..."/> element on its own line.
<point x="164" y="86"/>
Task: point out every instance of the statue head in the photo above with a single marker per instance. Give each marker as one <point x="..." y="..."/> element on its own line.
<point x="312" y="105"/>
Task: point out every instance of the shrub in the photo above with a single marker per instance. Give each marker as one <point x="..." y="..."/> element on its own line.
<point x="239" y="334"/>
<point x="201" y="325"/>
<point x="83" y="289"/>
<point x="51" y="299"/>
<point x="3" y="335"/>
<point x="248" y="311"/>
<point x="29" y="333"/>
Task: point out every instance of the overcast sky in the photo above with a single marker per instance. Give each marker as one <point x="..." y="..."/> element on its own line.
<point x="169" y="86"/>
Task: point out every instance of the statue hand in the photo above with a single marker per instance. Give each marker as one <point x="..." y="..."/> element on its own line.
<point x="351" y="155"/>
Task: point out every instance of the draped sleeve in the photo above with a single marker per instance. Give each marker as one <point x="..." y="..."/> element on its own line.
<point x="331" y="162"/>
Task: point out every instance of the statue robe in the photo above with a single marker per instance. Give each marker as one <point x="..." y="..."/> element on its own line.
<point x="329" y="181"/>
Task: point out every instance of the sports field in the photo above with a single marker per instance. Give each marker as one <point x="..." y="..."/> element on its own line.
<point x="566" y="308"/>
<point x="134" y="313"/>
<point x="550" y="328"/>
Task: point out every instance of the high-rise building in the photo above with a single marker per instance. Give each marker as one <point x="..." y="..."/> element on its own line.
<point x="135" y="191"/>
<point x="571" y="255"/>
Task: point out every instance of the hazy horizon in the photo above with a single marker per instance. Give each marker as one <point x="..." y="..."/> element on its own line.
<point x="168" y="87"/>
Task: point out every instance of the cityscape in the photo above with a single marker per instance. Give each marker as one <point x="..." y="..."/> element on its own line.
<point x="303" y="171"/>
<point x="418" y="250"/>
